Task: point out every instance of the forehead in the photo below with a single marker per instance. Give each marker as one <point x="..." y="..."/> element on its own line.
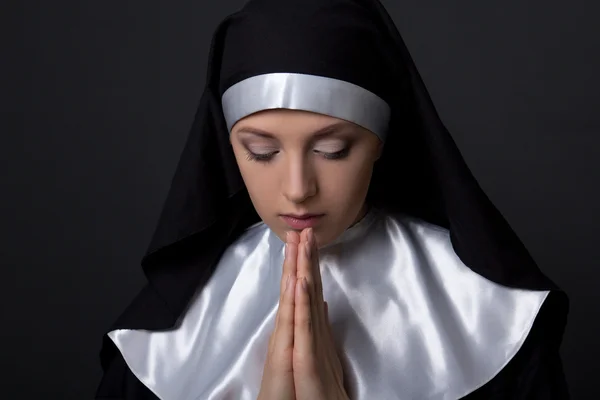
<point x="291" y="122"/>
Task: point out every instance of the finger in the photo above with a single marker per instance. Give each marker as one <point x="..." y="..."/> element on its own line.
<point x="284" y="330"/>
<point x="310" y="268"/>
<point x="314" y="260"/>
<point x="289" y="268"/>
<point x="293" y="236"/>
<point x="303" y="323"/>
<point x="304" y="264"/>
<point x="290" y="259"/>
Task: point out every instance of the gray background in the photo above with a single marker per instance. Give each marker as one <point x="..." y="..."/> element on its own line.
<point x="97" y="98"/>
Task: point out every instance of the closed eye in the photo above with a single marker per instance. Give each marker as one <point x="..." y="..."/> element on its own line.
<point x="266" y="157"/>
<point x="262" y="157"/>
<point x="336" y="155"/>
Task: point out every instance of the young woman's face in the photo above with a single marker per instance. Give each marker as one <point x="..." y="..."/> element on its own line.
<point x="298" y="163"/>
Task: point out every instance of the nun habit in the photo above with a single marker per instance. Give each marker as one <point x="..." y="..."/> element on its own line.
<point x="431" y="294"/>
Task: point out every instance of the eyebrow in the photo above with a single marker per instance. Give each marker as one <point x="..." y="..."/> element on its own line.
<point x="321" y="133"/>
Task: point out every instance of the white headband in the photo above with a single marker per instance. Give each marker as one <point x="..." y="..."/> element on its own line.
<point x="317" y="94"/>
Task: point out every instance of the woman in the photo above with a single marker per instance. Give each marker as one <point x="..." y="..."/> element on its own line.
<point x="321" y="205"/>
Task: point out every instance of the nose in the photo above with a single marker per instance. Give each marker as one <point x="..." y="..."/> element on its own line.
<point x="299" y="181"/>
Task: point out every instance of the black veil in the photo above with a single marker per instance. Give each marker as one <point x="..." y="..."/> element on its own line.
<point x="421" y="171"/>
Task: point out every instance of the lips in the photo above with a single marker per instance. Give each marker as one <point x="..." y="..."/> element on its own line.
<point x="301" y="221"/>
<point x="301" y="216"/>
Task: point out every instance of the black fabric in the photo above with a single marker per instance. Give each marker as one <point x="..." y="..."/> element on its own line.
<point x="535" y="373"/>
<point x="208" y="207"/>
<point x="287" y="36"/>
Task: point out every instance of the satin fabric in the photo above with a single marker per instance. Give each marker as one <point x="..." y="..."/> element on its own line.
<point x="319" y="94"/>
<point x="410" y="319"/>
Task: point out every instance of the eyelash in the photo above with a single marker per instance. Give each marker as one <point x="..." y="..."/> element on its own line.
<point x="265" y="158"/>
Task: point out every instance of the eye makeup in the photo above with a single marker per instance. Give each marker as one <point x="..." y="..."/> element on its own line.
<point x="328" y="148"/>
<point x="266" y="157"/>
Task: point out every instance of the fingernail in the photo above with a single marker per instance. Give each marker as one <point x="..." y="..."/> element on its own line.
<point x="287" y="236"/>
<point x="286" y="252"/>
<point x="307" y="249"/>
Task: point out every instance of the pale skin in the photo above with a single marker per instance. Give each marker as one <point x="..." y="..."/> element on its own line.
<point x="307" y="163"/>
<point x="300" y="162"/>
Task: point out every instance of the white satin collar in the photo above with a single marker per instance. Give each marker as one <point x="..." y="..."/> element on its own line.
<point x="413" y="321"/>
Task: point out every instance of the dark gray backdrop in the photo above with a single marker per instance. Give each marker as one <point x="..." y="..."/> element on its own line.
<point x="98" y="99"/>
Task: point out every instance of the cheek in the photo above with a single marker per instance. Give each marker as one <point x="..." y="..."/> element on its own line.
<point x="247" y="168"/>
<point x="347" y="183"/>
<point x="259" y="183"/>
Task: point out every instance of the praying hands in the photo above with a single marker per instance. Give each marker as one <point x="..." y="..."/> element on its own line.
<point x="302" y="362"/>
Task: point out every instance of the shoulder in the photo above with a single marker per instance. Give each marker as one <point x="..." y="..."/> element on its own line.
<point x="523" y="327"/>
<point x="431" y="247"/>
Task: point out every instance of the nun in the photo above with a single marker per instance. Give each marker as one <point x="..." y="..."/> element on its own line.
<point x="324" y="239"/>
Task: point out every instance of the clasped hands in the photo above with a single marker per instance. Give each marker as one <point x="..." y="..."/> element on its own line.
<point x="302" y="362"/>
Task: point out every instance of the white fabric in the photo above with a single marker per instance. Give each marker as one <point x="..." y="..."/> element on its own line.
<point x="319" y="94"/>
<point x="413" y="321"/>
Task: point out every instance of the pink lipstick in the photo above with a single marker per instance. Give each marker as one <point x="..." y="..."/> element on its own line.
<point x="303" y="221"/>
